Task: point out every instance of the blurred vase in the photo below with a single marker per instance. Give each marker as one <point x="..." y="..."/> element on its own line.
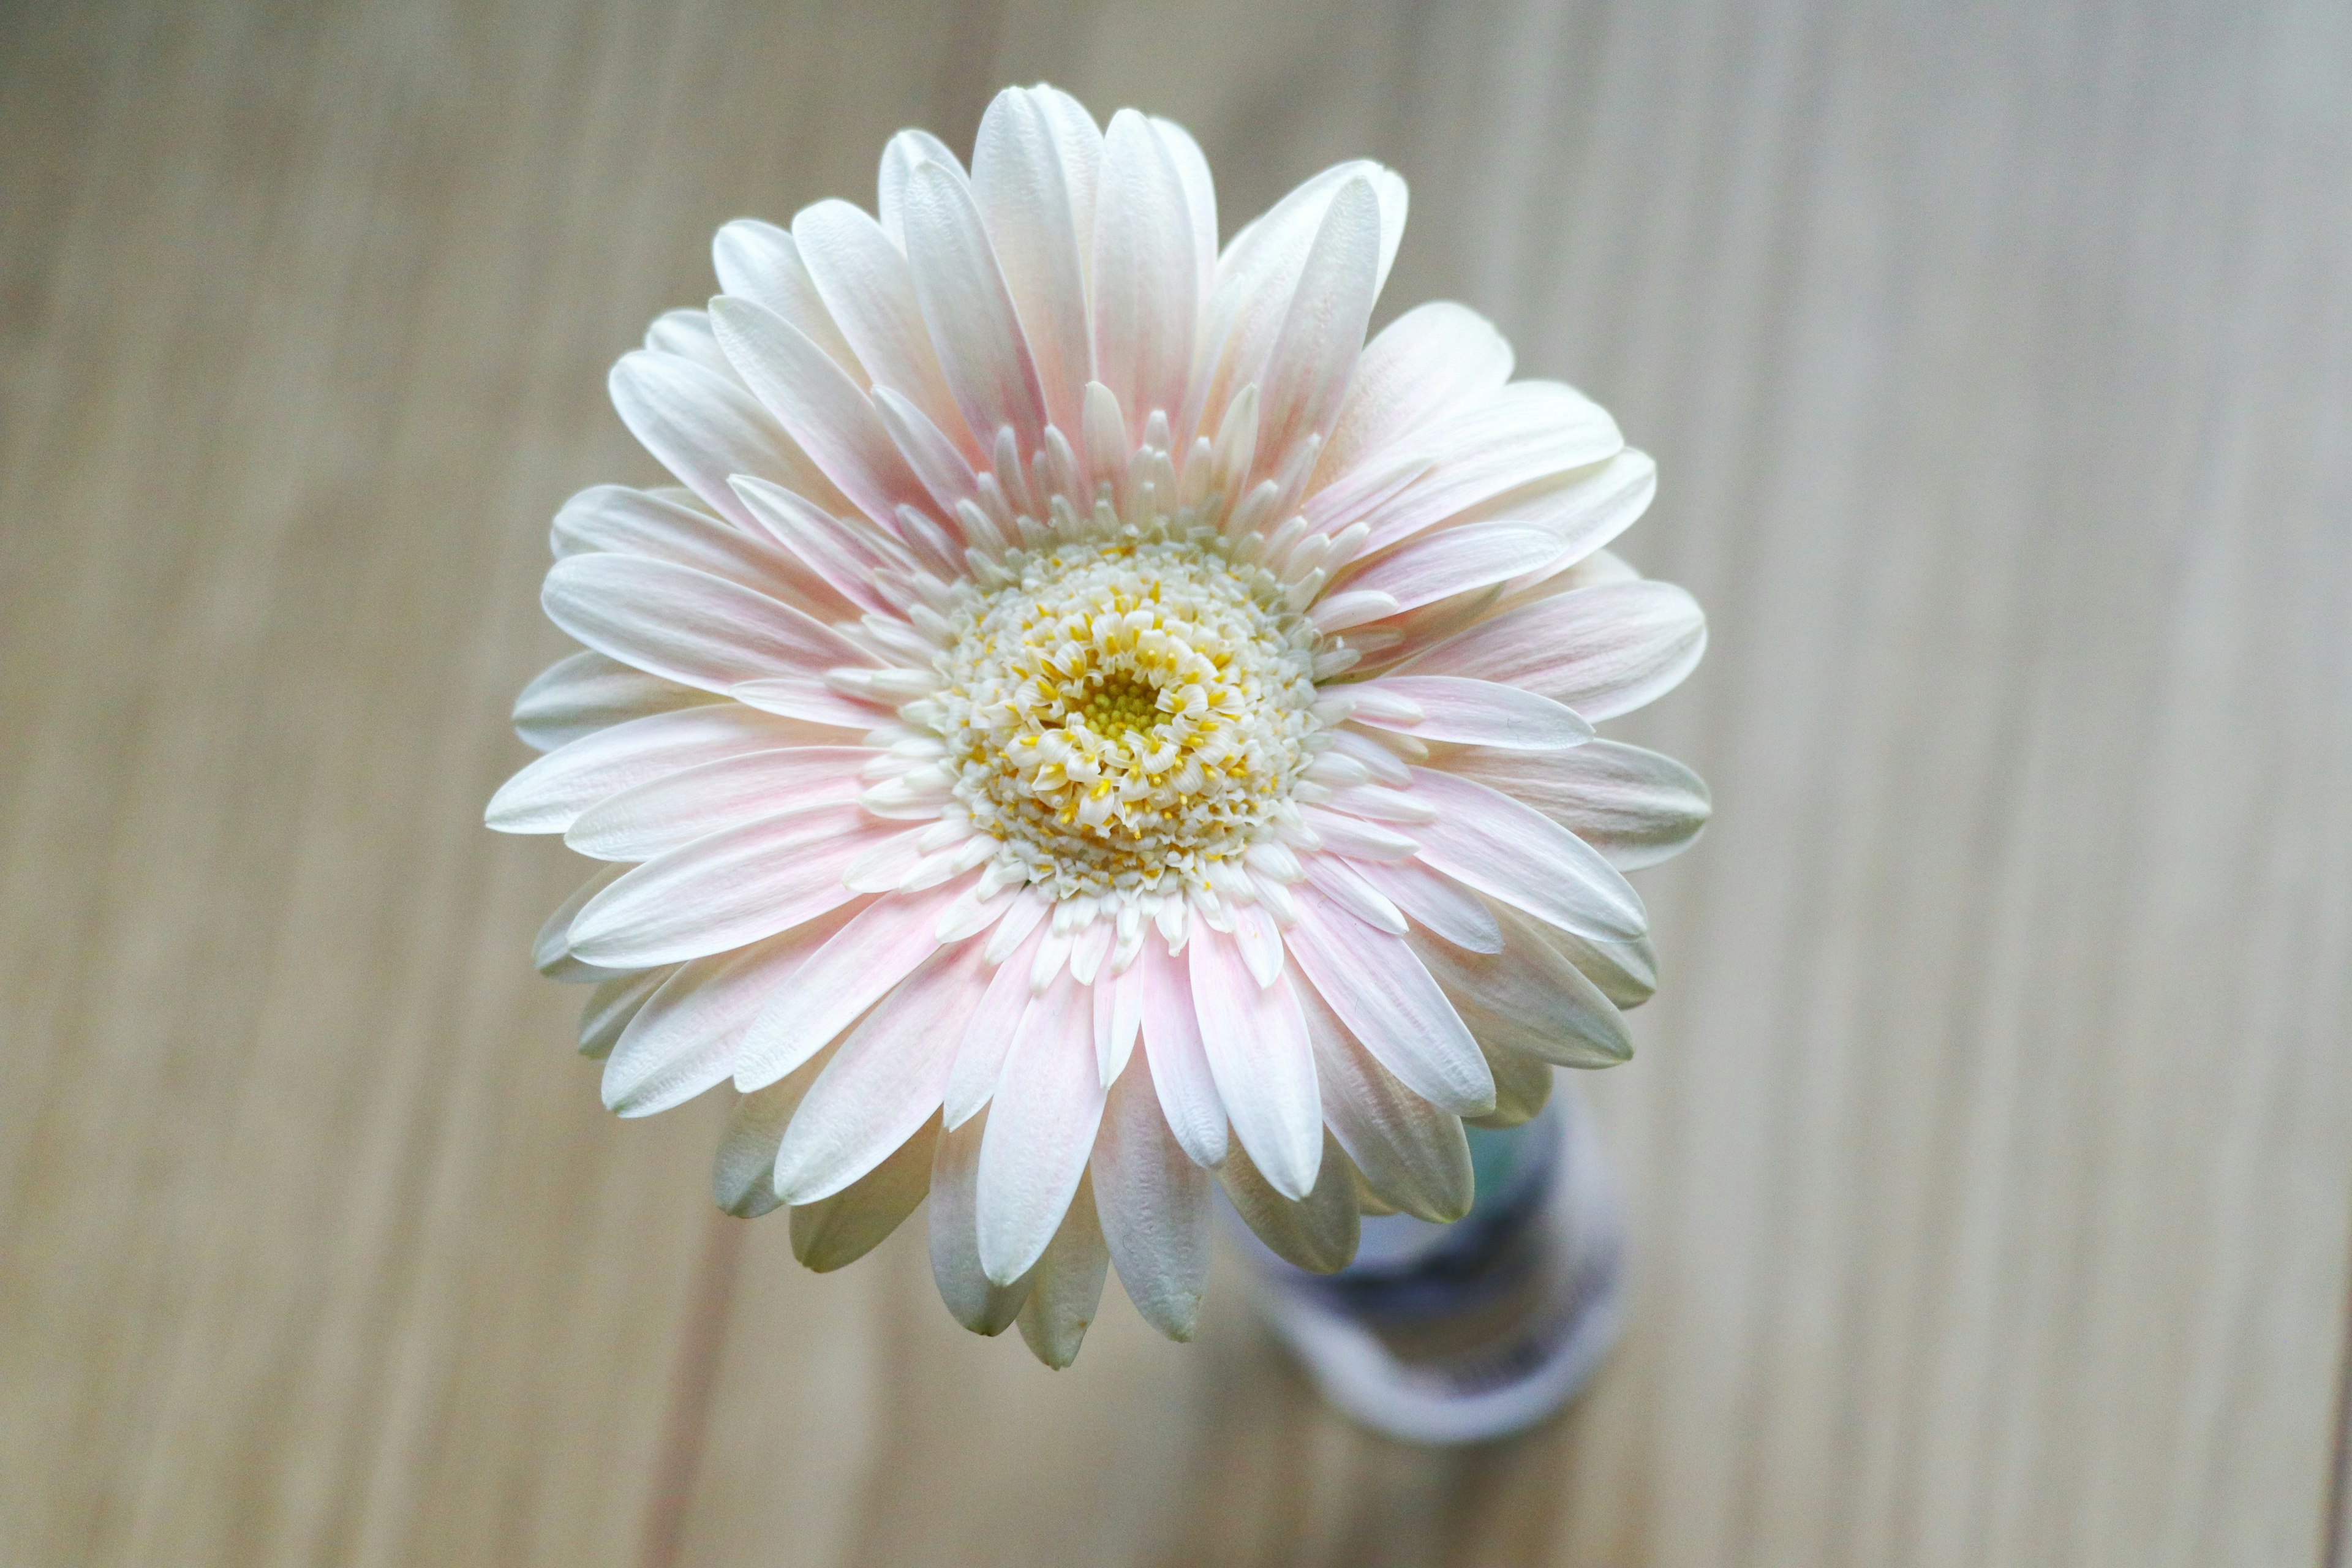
<point x="1456" y="1334"/>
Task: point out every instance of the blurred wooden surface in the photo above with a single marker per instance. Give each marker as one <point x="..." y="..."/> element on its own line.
<point x="1991" y="1141"/>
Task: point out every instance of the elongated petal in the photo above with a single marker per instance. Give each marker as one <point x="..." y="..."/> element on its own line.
<point x="742" y="1174"/>
<point x="686" y="334"/>
<point x="1515" y="853"/>
<point x="1527" y="432"/>
<point x="1376" y="986"/>
<point x="550" y="795"/>
<point x="1146" y="276"/>
<point x="1422" y="367"/>
<point x="1460" y="711"/>
<point x="1256" y="1044"/>
<point x="887" y="1079"/>
<point x="726" y="889"/>
<point x="1635" y="807"/>
<point x="1434" y="899"/>
<point x="627" y="521"/>
<point x="1041" y="1128"/>
<point x="1067" y="1287"/>
<point x="987" y="1031"/>
<point x="1528" y="998"/>
<point x="1021" y="183"/>
<point x="588" y="691"/>
<point x="848" y="974"/>
<point x="868" y="289"/>
<point x="673" y="810"/>
<point x="1154" y="1205"/>
<point x="684" y="1039"/>
<point x="687" y="626"/>
<point x="1604" y="651"/>
<point x="969" y="310"/>
<point x="551" y="950"/>
<point x="1626" y="972"/>
<point x="836" y="1231"/>
<point x="1322" y="331"/>
<point x="842" y="552"/>
<point x="610" y="1007"/>
<point x="706" y="427"/>
<point x="1452" y="561"/>
<point x="972" y="1299"/>
<point x="1316" y="1232"/>
<point x="1522" y="1085"/>
<point x="1412" y="1154"/>
<point x="759" y="262"/>
<point x="901" y="155"/>
<point x="1180" y="1062"/>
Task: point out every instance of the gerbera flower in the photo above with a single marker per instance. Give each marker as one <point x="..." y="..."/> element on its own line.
<point x="1091" y="725"/>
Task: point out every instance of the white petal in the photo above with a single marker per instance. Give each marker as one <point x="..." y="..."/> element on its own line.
<point x="551" y="950"/>
<point x="1635" y="807"/>
<point x="969" y="310"/>
<point x="1146" y="276"/>
<point x="759" y="262"/>
<point x="987" y="1035"/>
<point x="1322" y="331"/>
<point x="1020" y="185"/>
<point x="626" y="521"/>
<point x="1357" y="840"/>
<point x="674" y="809"/>
<point x="973" y="1300"/>
<point x="742" y="1174"/>
<point x="1461" y="711"/>
<point x="886" y="1081"/>
<point x="1412" y="1154"/>
<point x="900" y="155"/>
<point x="872" y="953"/>
<point x="1437" y="901"/>
<point x="1386" y="998"/>
<point x="836" y="1231"/>
<point x="1626" y="972"/>
<point x="686" y="334"/>
<point x="1515" y="853"/>
<point x="1425" y="365"/>
<point x="725" y="889"/>
<point x="1583" y="509"/>
<point x="815" y="399"/>
<point x="869" y="290"/>
<point x="684" y="1040"/>
<point x="687" y="626"/>
<point x="1340" y="882"/>
<point x="1522" y="1085"/>
<point x="1452" y="561"/>
<point x="588" y="691"/>
<point x="549" y="794"/>
<point x="1604" y="651"/>
<point x="1529" y="998"/>
<point x="706" y="428"/>
<point x="1528" y="431"/>
<point x="610" y="1007"/>
<point x="810" y="699"/>
<point x="842" y="552"/>
<point x="1200" y="199"/>
<point x="1154" y="1204"/>
<point x="1317" y="1232"/>
<point x="1180" y="1062"/>
<point x="1041" y="1128"/>
<point x="1067" y="1286"/>
<point x="1256" y="1039"/>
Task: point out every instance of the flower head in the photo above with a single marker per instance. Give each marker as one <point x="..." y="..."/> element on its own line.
<point x="1090" y="725"/>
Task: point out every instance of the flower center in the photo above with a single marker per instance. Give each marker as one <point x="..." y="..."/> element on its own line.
<point x="1123" y="713"/>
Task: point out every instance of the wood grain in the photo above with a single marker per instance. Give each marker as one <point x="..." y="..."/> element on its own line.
<point x="1991" y="1142"/>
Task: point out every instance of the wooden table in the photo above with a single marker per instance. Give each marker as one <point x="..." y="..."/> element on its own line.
<point x="1991" y="1141"/>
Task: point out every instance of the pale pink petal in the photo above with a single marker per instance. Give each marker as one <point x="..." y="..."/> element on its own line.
<point x="1322" y="331"/>
<point x="988" y="1033"/>
<point x="1465" y="712"/>
<point x="686" y="335"/>
<point x="1626" y="972"/>
<point x="687" y="626"/>
<point x="842" y="552"/>
<point x="1428" y="362"/>
<point x="1527" y="432"/>
<point x="1041" y="1128"/>
<point x="1260" y="942"/>
<point x="836" y="1231"/>
<point x="551" y="950"/>
<point x="579" y="695"/>
<point x="1437" y="901"/>
<point x="886" y="1081"/>
<point x="759" y="262"/>
<point x="1452" y="561"/>
<point x="1604" y="651"/>
<point x="1200" y="200"/>
<point x="1343" y="884"/>
<point x="944" y="470"/>
<point x="1316" y="1232"/>
<point x="705" y="427"/>
<point x="1412" y="1154"/>
<point x="684" y="1040"/>
<point x="848" y="974"/>
<point x="1180" y="1062"/>
<point x="625" y="521"/>
<point x="969" y="311"/>
<point x="742" y="1176"/>
<point x="1066" y="1289"/>
<point x="810" y="699"/>
<point x="900" y="155"/>
<point x="1583" y="509"/>
<point x="548" y="796"/>
<point x="1380" y="991"/>
<point x="1154" y="1203"/>
<point x="1021" y="183"/>
<point x="673" y="810"/>
<point x="1356" y="839"/>
<point x="610" y="1005"/>
<point x="1145" y="274"/>
<point x="971" y="1298"/>
<point x="1528" y="998"/>
<point x="726" y="889"/>
<point x="1256" y="1039"/>
<point x="869" y="291"/>
<point x="1635" y="807"/>
<point x="1515" y="853"/>
<point x="825" y="412"/>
